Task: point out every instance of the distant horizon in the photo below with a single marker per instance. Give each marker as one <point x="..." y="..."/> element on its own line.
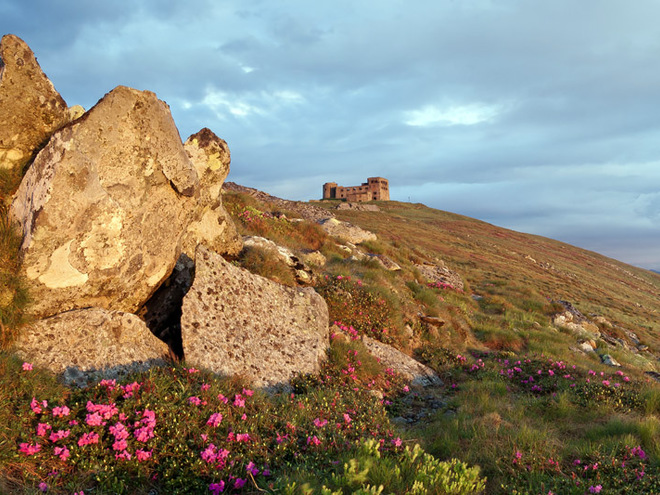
<point x="320" y="198"/>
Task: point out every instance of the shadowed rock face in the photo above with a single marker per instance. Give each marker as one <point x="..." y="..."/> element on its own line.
<point x="104" y="205"/>
<point x="91" y="343"/>
<point x="30" y="107"/>
<point x="235" y="322"/>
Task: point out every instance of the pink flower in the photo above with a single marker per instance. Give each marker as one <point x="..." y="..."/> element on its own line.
<point x="62" y="452"/>
<point x="29" y="449"/>
<point x="192" y="370"/>
<point x="320" y="423"/>
<point x="143" y="455"/>
<point x="222" y="398"/>
<point x="42" y="429"/>
<point x="239" y="401"/>
<point x="61" y="411"/>
<point x="216" y="488"/>
<point x="239" y="483"/>
<point x="130" y="389"/>
<point x="242" y="437"/>
<point x="125" y="455"/>
<point x="209" y="454"/>
<point x="58" y="435"/>
<point x="120" y="445"/>
<point x="595" y="489"/>
<point x="397" y="442"/>
<point x="36" y="406"/>
<point x="248" y="392"/>
<point x="27" y="366"/>
<point x="94" y="420"/>
<point x="252" y="468"/>
<point x="143" y="434"/>
<point x="196" y="401"/>
<point x="205" y="387"/>
<point x="313" y="440"/>
<point x="214" y="420"/>
<point x="88" y="438"/>
<point x="347" y="418"/>
<point x="109" y="384"/>
<point x="607" y="384"/>
<point x="43" y="486"/>
<point x="119" y="431"/>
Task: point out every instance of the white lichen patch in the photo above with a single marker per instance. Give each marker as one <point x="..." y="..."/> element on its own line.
<point x="60" y="274"/>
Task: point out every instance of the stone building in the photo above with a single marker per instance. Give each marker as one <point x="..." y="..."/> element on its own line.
<point x="376" y="188"/>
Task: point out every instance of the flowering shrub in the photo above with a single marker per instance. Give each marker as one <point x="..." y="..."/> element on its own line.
<point x="623" y="471"/>
<point x="256" y="221"/>
<point x="181" y="430"/>
<point x="412" y="471"/>
<point x="357" y="308"/>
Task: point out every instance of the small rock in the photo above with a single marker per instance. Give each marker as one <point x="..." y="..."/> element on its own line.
<point x="609" y="360"/>
<point x="432" y="320"/>
<point x="412" y="370"/>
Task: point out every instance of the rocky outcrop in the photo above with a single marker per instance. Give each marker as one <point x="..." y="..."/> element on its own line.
<point x="234" y="322"/>
<point x="413" y="371"/>
<point x="211" y="224"/>
<point x="90" y="343"/>
<point x="30" y="107"/>
<point x="301" y="272"/>
<point x="357" y="207"/>
<point x="575" y="321"/>
<point x="346" y="232"/>
<point x="439" y="273"/>
<point x="104" y="205"/>
<point x="305" y="210"/>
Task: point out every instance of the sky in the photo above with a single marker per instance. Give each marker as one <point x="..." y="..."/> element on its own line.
<point x="538" y="116"/>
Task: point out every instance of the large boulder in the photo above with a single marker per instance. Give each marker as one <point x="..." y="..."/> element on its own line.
<point x="211" y="225"/>
<point x="91" y="343"/>
<point x="30" y="107"/>
<point x="346" y="232"/>
<point x="104" y="205"/>
<point x="235" y="322"/>
<point x="413" y="371"/>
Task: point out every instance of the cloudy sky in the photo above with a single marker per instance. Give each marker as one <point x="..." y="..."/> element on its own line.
<point x="540" y="116"/>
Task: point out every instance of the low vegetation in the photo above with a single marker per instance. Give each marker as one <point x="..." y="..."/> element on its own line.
<point x="522" y="410"/>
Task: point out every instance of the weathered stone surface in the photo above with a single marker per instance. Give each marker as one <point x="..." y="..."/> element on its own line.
<point x="432" y="320"/>
<point x="315" y="258"/>
<point x="211" y="225"/>
<point x="439" y="273"/>
<point x="235" y="322"/>
<point x="30" y="107"/>
<point x="575" y="321"/>
<point x="104" y="205"/>
<point x="412" y="370"/>
<point x="91" y="343"/>
<point x="385" y="261"/>
<point x="346" y="232"/>
<point x="357" y="206"/>
<point x="609" y="360"/>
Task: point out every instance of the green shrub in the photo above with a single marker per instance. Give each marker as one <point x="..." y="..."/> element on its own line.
<point x="411" y="471"/>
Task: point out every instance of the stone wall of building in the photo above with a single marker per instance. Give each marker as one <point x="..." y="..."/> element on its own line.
<point x="375" y="189"/>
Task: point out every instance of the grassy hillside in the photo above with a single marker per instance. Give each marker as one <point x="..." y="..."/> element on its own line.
<point x="522" y="410"/>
